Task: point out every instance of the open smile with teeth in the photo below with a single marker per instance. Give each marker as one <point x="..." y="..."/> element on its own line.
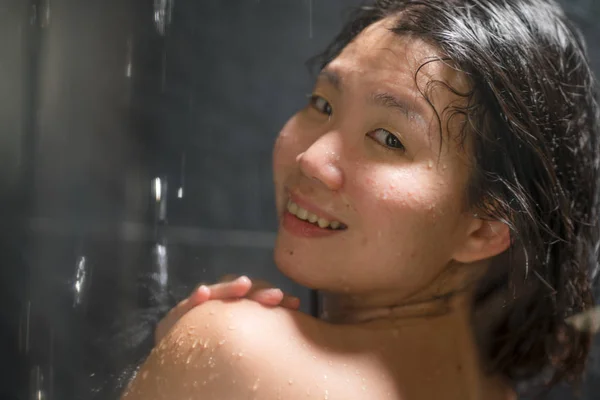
<point x="304" y="215"/>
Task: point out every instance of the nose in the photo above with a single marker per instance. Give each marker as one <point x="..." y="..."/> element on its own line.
<point x="321" y="162"/>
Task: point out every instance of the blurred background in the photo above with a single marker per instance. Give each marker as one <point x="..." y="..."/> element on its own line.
<point x="135" y="162"/>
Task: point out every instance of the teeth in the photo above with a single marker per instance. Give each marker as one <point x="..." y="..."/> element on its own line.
<point x="292" y="208"/>
<point x="323" y="222"/>
<point x="304" y="215"/>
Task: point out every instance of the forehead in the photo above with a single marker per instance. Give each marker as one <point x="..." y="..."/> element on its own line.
<point x="379" y="56"/>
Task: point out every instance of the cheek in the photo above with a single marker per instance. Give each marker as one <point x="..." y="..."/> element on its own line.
<point x="400" y="193"/>
<point x="406" y="209"/>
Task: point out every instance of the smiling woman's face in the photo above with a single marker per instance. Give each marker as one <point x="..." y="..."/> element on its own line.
<point x="365" y="152"/>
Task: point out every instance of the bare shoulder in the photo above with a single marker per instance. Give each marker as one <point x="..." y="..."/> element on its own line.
<point x="231" y="350"/>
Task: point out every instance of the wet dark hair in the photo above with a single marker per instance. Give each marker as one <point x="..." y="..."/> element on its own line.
<point x="532" y="117"/>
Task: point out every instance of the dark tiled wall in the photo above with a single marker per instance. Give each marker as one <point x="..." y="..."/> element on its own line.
<point x="101" y="97"/>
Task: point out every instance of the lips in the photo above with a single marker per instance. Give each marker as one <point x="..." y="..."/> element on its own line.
<point x="308" y="212"/>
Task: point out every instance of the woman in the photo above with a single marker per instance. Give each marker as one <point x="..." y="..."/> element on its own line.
<point x="440" y="190"/>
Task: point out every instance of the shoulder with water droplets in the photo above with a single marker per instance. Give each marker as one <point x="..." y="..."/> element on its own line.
<point x="268" y="352"/>
<point x="217" y="350"/>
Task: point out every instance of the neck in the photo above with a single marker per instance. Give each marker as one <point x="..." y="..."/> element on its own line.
<point x="432" y="319"/>
<point x="450" y="292"/>
<point x="344" y="309"/>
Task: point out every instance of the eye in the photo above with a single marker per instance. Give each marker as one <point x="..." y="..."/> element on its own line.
<point x="320" y="104"/>
<point x="386" y="139"/>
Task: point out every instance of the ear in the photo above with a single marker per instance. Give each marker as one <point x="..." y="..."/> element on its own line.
<point x="485" y="238"/>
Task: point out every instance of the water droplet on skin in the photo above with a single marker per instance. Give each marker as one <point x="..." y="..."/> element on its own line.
<point x="330" y="362"/>
<point x="255" y="386"/>
<point x="195" y="344"/>
<point x="187" y="361"/>
<point x="211" y="312"/>
<point x="290" y="381"/>
<point x="144" y="375"/>
<point x="326" y="394"/>
<point x="221" y="342"/>
<point x="325" y="377"/>
<point x="240" y="355"/>
<point x="444" y="166"/>
<point x="430" y="164"/>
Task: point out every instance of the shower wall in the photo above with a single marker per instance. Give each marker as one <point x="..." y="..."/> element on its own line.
<point x="135" y="163"/>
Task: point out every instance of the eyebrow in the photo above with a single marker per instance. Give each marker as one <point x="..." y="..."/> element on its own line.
<point x="382" y="99"/>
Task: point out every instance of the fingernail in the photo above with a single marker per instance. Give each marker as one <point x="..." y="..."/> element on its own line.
<point x="203" y="289"/>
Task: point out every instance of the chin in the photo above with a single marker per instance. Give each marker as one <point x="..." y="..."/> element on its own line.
<point x="291" y="267"/>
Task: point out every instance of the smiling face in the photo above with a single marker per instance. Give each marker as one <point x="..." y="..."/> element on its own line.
<point x="365" y="152"/>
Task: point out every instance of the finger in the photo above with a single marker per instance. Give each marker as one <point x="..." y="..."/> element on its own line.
<point x="198" y="296"/>
<point x="228" y="290"/>
<point x="267" y="297"/>
<point x="291" y="302"/>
